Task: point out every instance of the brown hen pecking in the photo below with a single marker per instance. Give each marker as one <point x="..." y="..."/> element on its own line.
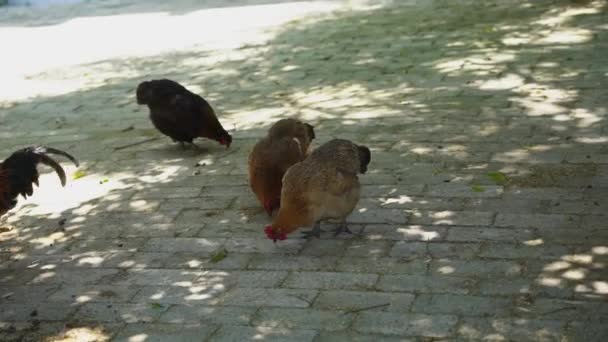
<point x="286" y="143"/>
<point x="323" y="186"/>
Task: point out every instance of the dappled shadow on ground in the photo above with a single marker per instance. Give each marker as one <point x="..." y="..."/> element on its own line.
<point x="488" y="169"/>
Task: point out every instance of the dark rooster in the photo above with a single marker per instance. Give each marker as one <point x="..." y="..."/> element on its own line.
<point x="180" y="114"/>
<point x="18" y="173"/>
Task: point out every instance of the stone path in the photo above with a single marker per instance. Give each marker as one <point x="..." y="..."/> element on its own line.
<point x="483" y="215"/>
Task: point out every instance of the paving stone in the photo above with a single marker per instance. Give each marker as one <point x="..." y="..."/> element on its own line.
<point x="461" y="190"/>
<point x="168" y="193"/>
<point x="244" y="245"/>
<point x="115" y="313"/>
<point x="382" y="265"/>
<point x="489" y="287"/>
<point x="202" y="203"/>
<point x="520" y="205"/>
<point x="409" y="249"/>
<point x="349" y="336"/>
<point x="161" y="230"/>
<point x="462" y="305"/>
<point x="405" y="324"/>
<point x="60" y="276"/>
<point x="330" y="280"/>
<point x="499" y="329"/>
<point x="367" y="249"/>
<point x="26" y="293"/>
<point x="392" y="190"/>
<point x="560" y="309"/>
<point x="230" y="231"/>
<point x="322" y="248"/>
<point x="296" y="298"/>
<point x="288" y="262"/>
<point x="59" y="331"/>
<point x="536" y="221"/>
<point x="586" y="331"/>
<point x="543" y="194"/>
<point x="471" y="234"/>
<point x="522" y="251"/>
<point x="452" y="218"/>
<point x="163" y="332"/>
<point x="357" y="300"/>
<point x="236" y="334"/>
<point x="571" y="236"/>
<point x="454" y="250"/>
<point x="198" y="245"/>
<point x="124" y="260"/>
<point x="479" y="268"/>
<point x="84" y="294"/>
<point x="364" y="215"/>
<point x="302" y="319"/>
<point x="107" y="245"/>
<point x="206" y="292"/>
<point x="16" y="312"/>
<point x="173" y="277"/>
<point x="409" y="233"/>
<point x="426" y="284"/>
<point x="459" y="255"/>
<point x="412" y="202"/>
<point x="232" y="261"/>
<point x="208" y="315"/>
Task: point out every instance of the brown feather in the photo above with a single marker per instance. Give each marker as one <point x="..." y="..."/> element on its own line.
<point x="323" y="186"/>
<point x="286" y="143"/>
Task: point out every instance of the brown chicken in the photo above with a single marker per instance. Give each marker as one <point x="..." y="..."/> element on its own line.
<point x="18" y="173"/>
<point x="180" y="114"/>
<point x="286" y="143"/>
<point x="323" y="186"/>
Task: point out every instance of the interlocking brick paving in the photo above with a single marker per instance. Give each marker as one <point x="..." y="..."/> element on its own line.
<point x="482" y="217"/>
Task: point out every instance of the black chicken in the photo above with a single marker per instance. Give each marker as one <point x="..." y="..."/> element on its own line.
<point x="179" y="113"/>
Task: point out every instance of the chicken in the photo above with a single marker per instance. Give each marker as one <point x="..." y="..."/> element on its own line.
<point x="18" y="173"/>
<point x="286" y="143"/>
<point x="179" y="113"/>
<point x="323" y="186"/>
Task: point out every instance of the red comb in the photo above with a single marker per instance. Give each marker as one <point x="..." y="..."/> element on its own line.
<point x="274" y="236"/>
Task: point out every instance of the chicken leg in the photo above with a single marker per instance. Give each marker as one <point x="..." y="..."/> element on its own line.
<point x="188" y="145"/>
<point x="342" y="228"/>
<point x="315" y="231"/>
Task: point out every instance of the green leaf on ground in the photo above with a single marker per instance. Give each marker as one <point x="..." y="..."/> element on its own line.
<point x="498" y="177"/>
<point x="79" y="174"/>
<point x="156" y="305"/>
<point x="478" y="188"/>
<point x="219" y="255"/>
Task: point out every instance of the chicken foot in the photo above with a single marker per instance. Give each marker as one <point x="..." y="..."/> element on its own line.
<point x="342" y="228"/>
<point x="315" y="231"/>
<point x="188" y="145"/>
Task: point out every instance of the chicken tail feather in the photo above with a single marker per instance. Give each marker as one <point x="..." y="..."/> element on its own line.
<point x="46" y="160"/>
<point x="51" y="150"/>
<point x="42" y="152"/>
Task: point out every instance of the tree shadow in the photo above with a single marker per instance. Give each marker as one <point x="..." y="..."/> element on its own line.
<point x="486" y="137"/>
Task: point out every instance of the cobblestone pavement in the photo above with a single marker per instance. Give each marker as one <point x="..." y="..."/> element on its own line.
<point x="483" y="215"/>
